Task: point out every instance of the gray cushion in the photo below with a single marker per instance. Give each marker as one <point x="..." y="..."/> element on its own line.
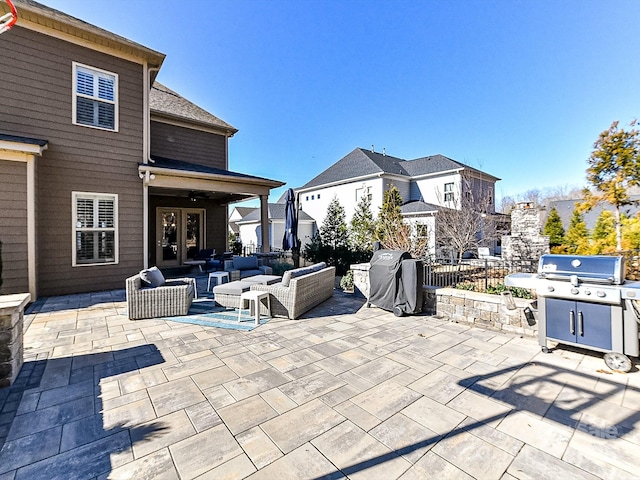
<point x="250" y="273"/>
<point x="245" y="263"/>
<point x="152" y="277"/>
<point x="232" y="288"/>
<point x="266" y="279"/>
<point x="298" y="272"/>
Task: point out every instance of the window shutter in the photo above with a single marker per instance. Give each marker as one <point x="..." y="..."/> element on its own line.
<point x="84" y="210"/>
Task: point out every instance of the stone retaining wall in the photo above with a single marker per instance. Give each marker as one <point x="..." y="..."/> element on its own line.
<point x="482" y="309"/>
<point x="463" y="306"/>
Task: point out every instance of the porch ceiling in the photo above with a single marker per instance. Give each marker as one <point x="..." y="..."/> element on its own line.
<point x="220" y="197"/>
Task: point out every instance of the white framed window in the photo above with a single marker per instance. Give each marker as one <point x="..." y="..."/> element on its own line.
<point x="95" y="97"/>
<point x="95" y="228"/>
<point x="448" y="192"/>
<point x="422" y="230"/>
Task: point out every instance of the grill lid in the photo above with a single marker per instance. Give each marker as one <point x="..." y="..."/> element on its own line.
<point x="601" y="269"/>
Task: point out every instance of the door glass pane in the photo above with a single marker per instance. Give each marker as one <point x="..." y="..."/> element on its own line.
<point x="169" y="236"/>
<point x="193" y="234"/>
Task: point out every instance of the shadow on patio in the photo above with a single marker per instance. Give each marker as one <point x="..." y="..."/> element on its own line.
<point x="53" y="421"/>
<point x="581" y="411"/>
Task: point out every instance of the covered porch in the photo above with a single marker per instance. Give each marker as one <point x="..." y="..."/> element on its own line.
<point x="186" y="208"/>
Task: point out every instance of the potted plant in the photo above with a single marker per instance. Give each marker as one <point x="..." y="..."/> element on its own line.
<point x="346" y="282"/>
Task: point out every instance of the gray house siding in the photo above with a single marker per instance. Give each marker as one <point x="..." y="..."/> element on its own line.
<point x="13" y="227"/>
<point x="179" y="143"/>
<point x="36" y="96"/>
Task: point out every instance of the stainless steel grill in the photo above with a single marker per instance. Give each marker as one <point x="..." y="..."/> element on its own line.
<point x="584" y="301"/>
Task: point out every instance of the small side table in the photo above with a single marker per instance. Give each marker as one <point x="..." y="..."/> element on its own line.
<point x="218" y="276"/>
<point x="256" y="297"/>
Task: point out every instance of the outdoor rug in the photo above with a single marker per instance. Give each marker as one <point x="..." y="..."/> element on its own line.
<point x="205" y="312"/>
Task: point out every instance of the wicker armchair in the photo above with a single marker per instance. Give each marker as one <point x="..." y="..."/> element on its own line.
<point x="171" y="299"/>
<point x="302" y="294"/>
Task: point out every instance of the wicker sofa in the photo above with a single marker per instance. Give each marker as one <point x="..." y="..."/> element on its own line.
<point x="242" y="267"/>
<point x="301" y="289"/>
<point x="173" y="298"/>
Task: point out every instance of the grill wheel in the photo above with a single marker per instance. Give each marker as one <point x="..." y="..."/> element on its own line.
<point x="618" y="362"/>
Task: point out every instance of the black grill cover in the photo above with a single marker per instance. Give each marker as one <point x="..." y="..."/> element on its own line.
<point x="395" y="282"/>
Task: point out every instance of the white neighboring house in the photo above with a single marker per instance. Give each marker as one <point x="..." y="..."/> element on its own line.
<point x="249" y="227"/>
<point x="237" y="214"/>
<point x="425" y="184"/>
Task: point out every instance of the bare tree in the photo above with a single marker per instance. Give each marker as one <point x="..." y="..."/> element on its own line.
<point x="410" y="238"/>
<point x="467" y="221"/>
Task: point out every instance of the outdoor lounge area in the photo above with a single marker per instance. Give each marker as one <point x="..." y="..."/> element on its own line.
<point x="345" y="391"/>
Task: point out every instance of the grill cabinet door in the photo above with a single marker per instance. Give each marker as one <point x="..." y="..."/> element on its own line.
<point x="561" y="319"/>
<point x="596" y="319"/>
<point x="583" y="323"/>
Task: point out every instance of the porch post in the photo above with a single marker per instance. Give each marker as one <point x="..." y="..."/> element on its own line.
<point x="264" y="222"/>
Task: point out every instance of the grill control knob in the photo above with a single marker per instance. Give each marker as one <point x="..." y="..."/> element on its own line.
<point x="575" y="291"/>
<point x="601" y="294"/>
<point x="587" y="292"/>
<point x="550" y="288"/>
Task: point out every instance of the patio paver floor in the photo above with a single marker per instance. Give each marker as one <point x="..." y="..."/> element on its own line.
<point x="344" y="392"/>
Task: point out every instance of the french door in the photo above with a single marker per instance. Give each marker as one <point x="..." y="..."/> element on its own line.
<point x="179" y="235"/>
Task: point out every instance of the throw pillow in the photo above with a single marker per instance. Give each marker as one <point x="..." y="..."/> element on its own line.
<point x="286" y="278"/>
<point x="152" y="277"/>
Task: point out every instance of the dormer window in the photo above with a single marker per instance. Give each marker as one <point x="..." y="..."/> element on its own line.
<point x="95" y="97"/>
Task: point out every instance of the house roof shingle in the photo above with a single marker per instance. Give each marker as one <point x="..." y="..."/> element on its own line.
<point x="163" y="100"/>
<point x="361" y="163"/>
<point x="418" y="206"/>
<point x="27" y="140"/>
<point x="171" y="164"/>
<point x="276" y="212"/>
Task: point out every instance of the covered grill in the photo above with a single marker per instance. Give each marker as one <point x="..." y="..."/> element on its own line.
<point x="585" y="301"/>
<point x="395" y="282"/>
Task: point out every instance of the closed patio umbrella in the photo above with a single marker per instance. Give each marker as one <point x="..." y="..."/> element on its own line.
<point x="290" y="239"/>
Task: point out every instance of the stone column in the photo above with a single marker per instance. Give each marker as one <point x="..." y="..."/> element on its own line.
<point x="11" y="336"/>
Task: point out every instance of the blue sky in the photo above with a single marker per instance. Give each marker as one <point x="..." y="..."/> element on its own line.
<point x="519" y="89"/>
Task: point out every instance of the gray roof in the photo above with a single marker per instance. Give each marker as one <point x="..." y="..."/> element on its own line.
<point x="566" y="207"/>
<point x="244" y="211"/>
<point x="196" y="168"/>
<point x="361" y="162"/>
<point x="165" y="101"/>
<point x="276" y="212"/>
<point x="358" y="163"/>
<point x="27" y="140"/>
<point x="418" y="206"/>
<point x="432" y="164"/>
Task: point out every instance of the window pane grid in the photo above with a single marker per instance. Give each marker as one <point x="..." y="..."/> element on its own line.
<point x="96" y="96"/>
<point x="95" y="229"/>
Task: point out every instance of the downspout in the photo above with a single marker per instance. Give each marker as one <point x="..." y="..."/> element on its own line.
<point x="146" y="158"/>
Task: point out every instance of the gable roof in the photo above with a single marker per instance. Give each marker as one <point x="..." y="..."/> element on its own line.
<point x="362" y="163"/>
<point x="166" y="102"/>
<point x="432" y="164"/>
<point x="244" y="211"/>
<point x="276" y="212"/>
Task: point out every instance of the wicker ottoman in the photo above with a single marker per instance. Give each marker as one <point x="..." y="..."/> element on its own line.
<point x="228" y="294"/>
